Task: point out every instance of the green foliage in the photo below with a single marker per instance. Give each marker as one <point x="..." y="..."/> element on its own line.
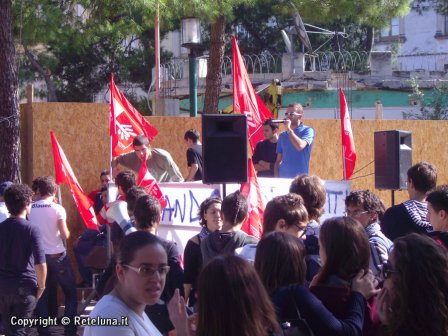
<point x="433" y="107"/>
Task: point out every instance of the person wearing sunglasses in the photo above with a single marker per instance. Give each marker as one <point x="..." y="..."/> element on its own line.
<point x="142" y="266"/>
<point x="414" y="297"/>
<point x="294" y="145"/>
<point x="368" y="209"/>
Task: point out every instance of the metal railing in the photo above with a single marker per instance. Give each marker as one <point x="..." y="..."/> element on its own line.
<point x="339" y="61"/>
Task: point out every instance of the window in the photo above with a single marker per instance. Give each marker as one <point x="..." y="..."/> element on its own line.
<point x="393" y="29"/>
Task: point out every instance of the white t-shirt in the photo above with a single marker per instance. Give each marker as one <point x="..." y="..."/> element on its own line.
<point x="4" y="214"/>
<point x="45" y="215"/>
<point x="112" y="307"/>
<point x="247" y="252"/>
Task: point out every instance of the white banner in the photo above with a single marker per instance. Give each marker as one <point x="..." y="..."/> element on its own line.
<point x="180" y="219"/>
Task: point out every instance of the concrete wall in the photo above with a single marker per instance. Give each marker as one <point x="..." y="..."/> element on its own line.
<point x="82" y="131"/>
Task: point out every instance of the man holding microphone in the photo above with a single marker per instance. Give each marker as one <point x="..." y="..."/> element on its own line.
<point x="294" y="145"/>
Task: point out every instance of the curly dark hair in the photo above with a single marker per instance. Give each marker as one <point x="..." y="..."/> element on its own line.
<point x="17" y="198"/>
<point x="420" y="305"/>
<point x="126" y="180"/>
<point x="368" y="201"/>
<point x="204" y="207"/>
<point x="45" y="185"/>
<point x="313" y="192"/>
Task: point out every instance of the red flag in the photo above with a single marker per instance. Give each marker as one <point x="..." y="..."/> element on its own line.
<point x="64" y="174"/>
<point x="251" y="190"/>
<point x="348" y="143"/>
<point x="125" y="122"/>
<point x="147" y="181"/>
<point x="245" y="100"/>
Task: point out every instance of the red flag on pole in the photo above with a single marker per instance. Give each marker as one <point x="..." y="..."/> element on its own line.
<point x="348" y="142"/>
<point x="147" y="181"/>
<point x="125" y="122"/>
<point x="251" y="190"/>
<point x="64" y="174"/>
<point x="245" y="100"/>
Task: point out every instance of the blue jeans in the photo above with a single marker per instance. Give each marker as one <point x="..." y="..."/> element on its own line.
<point x="19" y="302"/>
<point x="60" y="270"/>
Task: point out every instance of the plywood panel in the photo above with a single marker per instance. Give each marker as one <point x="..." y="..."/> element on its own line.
<point x="82" y="130"/>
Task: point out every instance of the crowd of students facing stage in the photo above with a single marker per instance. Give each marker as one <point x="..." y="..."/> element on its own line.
<point x="372" y="272"/>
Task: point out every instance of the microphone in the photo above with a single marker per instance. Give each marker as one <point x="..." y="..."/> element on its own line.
<point x="278" y="121"/>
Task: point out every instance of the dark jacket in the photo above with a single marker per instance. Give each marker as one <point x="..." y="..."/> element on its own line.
<point x="217" y="243"/>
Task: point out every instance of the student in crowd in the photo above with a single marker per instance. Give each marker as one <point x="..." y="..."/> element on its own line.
<point x="285" y="213"/>
<point x="438" y="213"/>
<point x="279" y="252"/>
<point x="23" y="268"/>
<point x="50" y="218"/>
<point x="414" y="298"/>
<point x="3" y="209"/>
<point x="234" y="213"/>
<point x="265" y="152"/>
<point x="344" y="251"/>
<point x="231" y="302"/>
<point x="194" y="155"/>
<point x="210" y="220"/>
<point x="368" y="209"/>
<point x="410" y="216"/>
<point x="313" y="192"/>
<point x="158" y="161"/>
<point x="141" y="270"/>
<point x="95" y="195"/>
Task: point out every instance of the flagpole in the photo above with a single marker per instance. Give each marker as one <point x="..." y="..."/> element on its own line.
<point x="157" y="56"/>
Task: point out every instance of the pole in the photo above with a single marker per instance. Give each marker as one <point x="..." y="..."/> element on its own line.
<point x="393" y="197"/>
<point x="193" y="83"/>
<point x="157" y="55"/>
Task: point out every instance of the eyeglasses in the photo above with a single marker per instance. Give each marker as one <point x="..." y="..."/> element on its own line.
<point x="354" y="213"/>
<point x="386" y="271"/>
<point x="148" y="271"/>
<point x="292" y="113"/>
<point x="303" y="229"/>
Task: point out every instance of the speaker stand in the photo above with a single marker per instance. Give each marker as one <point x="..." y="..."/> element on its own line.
<point x="393" y="197"/>
<point x="224" y="190"/>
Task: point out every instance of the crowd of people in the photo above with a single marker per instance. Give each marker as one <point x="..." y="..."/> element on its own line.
<point x="373" y="271"/>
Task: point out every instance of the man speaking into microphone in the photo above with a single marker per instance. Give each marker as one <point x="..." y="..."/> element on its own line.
<point x="294" y="145"/>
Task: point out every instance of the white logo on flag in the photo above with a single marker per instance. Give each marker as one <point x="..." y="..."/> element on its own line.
<point x="125" y="131"/>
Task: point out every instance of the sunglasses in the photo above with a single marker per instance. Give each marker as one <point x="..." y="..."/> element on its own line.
<point x="386" y="271"/>
<point x="355" y="213"/>
<point x="292" y="113"/>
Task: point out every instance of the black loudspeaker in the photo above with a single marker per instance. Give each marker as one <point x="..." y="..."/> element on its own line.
<point x="393" y="158"/>
<point x="224" y="148"/>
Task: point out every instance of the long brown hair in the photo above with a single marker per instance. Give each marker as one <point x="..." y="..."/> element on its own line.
<point x="346" y="247"/>
<point x="280" y="260"/>
<point x="232" y="300"/>
<point x="420" y="304"/>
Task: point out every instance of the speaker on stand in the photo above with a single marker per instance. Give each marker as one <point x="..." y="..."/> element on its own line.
<point x="393" y="158"/>
<point x="224" y="148"/>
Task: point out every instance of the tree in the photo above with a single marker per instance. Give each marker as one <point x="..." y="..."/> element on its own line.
<point x="374" y="13"/>
<point x="75" y="45"/>
<point x="9" y="104"/>
<point x="432" y="107"/>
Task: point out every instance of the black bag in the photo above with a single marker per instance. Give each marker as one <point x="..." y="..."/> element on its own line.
<point x="297" y="326"/>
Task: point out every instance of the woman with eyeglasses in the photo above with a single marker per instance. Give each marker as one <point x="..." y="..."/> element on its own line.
<point x="414" y="298"/>
<point x="344" y="251"/>
<point x="141" y="270"/>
